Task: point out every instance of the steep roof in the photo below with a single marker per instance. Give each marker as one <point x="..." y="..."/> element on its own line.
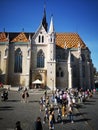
<point x="15" y="36"/>
<point x="3" y="37"/>
<point x="20" y="38"/>
<point x="69" y="40"/>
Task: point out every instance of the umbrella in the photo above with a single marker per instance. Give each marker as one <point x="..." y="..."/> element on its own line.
<point x="37" y="82"/>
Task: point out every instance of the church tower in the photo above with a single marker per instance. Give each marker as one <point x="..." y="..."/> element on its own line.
<point x="51" y="62"/>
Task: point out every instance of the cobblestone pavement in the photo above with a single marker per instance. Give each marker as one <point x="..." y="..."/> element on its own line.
<point x="85" y="116"/>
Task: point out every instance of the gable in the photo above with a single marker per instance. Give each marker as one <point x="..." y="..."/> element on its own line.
<point x="20" y="38"/>
<point x="41" y="30"/>
<point x="3" y="37"/>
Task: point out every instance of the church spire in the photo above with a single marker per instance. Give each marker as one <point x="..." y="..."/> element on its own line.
<point x="51" y="29"/>
<point x="44" y="21"/>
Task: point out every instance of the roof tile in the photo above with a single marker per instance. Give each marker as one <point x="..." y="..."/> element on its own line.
<point x="3" y="37"/>
<point x="69" y="40"/>
<point x="20" y="38"/>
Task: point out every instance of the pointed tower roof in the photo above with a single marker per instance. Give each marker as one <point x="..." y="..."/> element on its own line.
<point x="44" y="21"/>
<point x="51" y="29"/>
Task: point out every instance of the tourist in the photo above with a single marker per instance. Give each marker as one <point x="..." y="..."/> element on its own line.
<point x="71" y="113"/>
<point x="25" y="95"/>
<point x="41" y="103"/>
<point x="51" y="120"/>
<point x="18" y="126"/>
<point x="38" y="124"/>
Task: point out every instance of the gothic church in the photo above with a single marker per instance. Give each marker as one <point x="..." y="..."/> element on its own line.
<point x="57" y="60"/>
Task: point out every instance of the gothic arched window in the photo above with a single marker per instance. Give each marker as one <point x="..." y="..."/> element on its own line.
<point x="72" y="58"/>
<point x="62" y="74"/>
<point x="18" y="61"/>
<point x="83" y="57"/>
<point x="59" y="72"/>
<point x="39" y="39"/>
<point x="40" y="59"/>
<point x="42" y="39"/>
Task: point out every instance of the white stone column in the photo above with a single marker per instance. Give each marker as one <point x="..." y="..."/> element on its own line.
<point x="28" y="67"/>
<point x="69" y="77"/>
<point x="5" y="62"/>
<point x="69" y="71"/>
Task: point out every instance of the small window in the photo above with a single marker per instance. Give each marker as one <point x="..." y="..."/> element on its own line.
<point x="39" y="39"/>
<point x="51" y="39"/>
<point x="57" y="74"/>
<point x="62" y="74"/>
<point x="42" y="39"/>
<point x="83" y="57"/>
<point x="72" y="58"/>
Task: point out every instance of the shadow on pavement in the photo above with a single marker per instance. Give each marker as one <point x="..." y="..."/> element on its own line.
<point x="82" y="120"/>
<point x="76" y="120"/>
<point x="13" y="100"/>
<point x="88" y="103"/>
<point x="6" y="108"/>
<point x="80" y="114"/>
<point x="1" y="118"/>
<point x="79" y="106"/>
<point x="34" y="101"/>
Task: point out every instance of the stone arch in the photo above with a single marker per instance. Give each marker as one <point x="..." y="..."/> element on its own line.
<point x="38" y="76"/>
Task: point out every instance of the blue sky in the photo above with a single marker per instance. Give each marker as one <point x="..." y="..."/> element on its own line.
<point x="80" y="16"/>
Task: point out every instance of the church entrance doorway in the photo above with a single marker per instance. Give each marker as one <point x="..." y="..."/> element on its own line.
<point x="37" y="83"/>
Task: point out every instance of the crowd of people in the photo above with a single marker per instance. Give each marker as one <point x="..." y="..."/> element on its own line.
<point x="60" y="106"/>
<point x="57" y="107"/>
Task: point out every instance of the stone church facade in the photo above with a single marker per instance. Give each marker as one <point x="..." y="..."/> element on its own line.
<point x="58" y="60"/>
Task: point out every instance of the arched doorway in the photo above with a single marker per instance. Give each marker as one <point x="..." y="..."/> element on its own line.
<point x="38" y="76"/>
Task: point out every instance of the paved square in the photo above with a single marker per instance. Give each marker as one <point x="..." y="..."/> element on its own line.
<point x="13" y="110"/>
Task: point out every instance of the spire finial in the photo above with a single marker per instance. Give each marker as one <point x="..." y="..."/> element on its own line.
<point x="22" y="29"/>
<point x="44" y="4"/>
<point x="3" y="29"/>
